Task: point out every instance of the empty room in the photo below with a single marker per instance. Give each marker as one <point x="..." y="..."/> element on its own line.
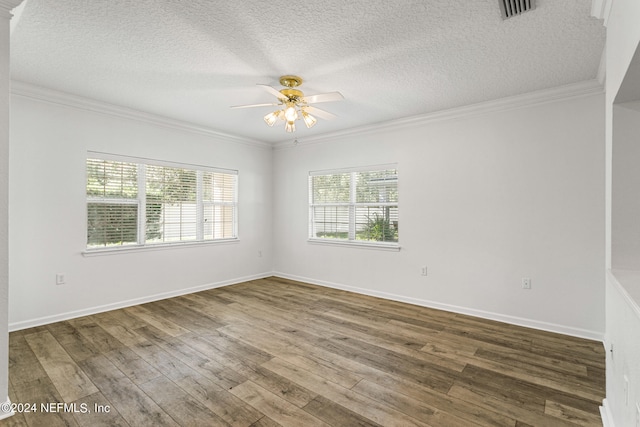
<point x="409" y="213"/>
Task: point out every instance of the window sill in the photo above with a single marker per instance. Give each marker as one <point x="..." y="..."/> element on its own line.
<point x="394" y="247"/>
<point x="153" y="247"/>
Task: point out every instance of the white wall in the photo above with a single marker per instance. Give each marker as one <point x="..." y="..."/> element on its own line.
<point x="49" y="145"/>
<point x="625" y="227"/>
<point x="485" y="200"/>
<point x="623" y="289"/>
<point x="5" y="83"/>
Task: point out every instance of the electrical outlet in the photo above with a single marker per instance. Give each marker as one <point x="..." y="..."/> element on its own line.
<point x="526" y="283"/>
<point x="423" y="270"/>
<point x="60" y="279"/>
<point x="611" y="353"/>
<point x="259" y="254"/>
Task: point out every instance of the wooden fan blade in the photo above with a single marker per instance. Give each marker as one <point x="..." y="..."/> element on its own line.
<point x="323" y="97"/>
<point x="273" y="91"/>
<point x="320" y="113"/>
<point x="255" y="105"/>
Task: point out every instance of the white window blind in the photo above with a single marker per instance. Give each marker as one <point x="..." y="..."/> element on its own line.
<point x="171" y="204"/>
<point x="354" y="205"/>
<point x="112" y="203"/>
<point x="219" y="205"/>
<point x="135" y="203"/>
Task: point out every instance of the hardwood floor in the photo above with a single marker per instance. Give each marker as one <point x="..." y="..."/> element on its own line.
<point x="274" y="352"/>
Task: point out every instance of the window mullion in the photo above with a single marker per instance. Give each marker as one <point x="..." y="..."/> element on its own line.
<point x="142" y="203"/>
<point x="312" y="220"/>
<point x="352" y="207"/>
<point x="199" y="207"/>
<point x="235" y="206"/>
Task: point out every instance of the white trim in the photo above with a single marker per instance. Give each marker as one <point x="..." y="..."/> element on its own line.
<point x="17" y="14"/>
<point x="113" y="250"/>
<point x="6" y="6"/>
<point x="16" y="326"/>
<point x="601" y="9"/>
<point x="356" y="244"/>
<point x="142" y="203"/>
<point x="540" y="97"/>
<point x="4" y="414"/>
<point x="513" y="320"/>
<point x="27" y="90"/>
<point x="606" y="415"/>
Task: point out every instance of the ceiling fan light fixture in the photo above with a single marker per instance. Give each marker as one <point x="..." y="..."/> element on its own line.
<point x="272" y="118"/>
<point x="290" y="127"/>
<point x="290" y="113"/>
<point x="309" y="120"/>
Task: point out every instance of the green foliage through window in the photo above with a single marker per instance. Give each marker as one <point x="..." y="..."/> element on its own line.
<point x="379" y="228"/>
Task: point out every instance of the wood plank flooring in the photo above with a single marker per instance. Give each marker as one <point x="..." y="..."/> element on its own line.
<point x="275" y="352"/>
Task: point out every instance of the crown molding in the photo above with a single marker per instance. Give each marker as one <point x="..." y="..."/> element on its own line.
<point x="601" y="9"/>
<point x="51" y="96"/>
<point x="6" y="6"/>
<point x="586" y="88"/>
<point x="17" y="14"/>
<point x="560" y="93"/>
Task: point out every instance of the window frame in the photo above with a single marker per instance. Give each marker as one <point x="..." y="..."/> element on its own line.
<point x="141" y="202"/>
<point x="352" y="205"/>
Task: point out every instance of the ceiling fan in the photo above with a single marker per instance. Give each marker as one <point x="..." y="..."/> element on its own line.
<point x="294" y="105"/>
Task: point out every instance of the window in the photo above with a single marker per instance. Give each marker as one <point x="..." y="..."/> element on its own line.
<point x="356" y="206"/>
<point x="112" y="203"/>
<point x="130" y="203"/>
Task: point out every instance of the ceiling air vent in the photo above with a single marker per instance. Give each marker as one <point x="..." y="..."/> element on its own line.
<point x="511" y="8"/>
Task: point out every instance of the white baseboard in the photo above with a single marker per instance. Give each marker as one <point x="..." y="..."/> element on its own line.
<point x="16" y="326"/>
<point x="5" y="409"/>
<point x="519" y="321"/>
<point x="605" y="413"/>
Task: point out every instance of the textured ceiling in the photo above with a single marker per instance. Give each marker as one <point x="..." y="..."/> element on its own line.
<point x="192" y="60"/>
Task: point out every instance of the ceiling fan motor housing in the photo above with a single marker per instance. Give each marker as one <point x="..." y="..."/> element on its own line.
<point x="292" y="94"/>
